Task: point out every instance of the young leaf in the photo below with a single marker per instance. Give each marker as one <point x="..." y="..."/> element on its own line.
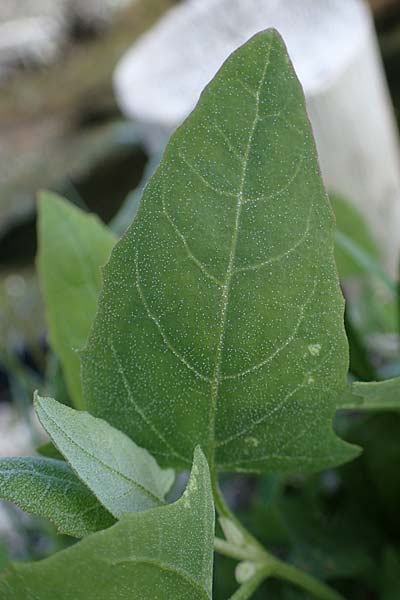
<point x="49" y="451"/>
<point x="124" y="477"/>
<point x="72" y="248"/>
<point x="364" y="260"/>
<point x="221" y="318"/>
<point x="351" y="224"/>
<point x="162" y="553"/>
<point x="373" y="395"/>
<point x="49" y="488"/>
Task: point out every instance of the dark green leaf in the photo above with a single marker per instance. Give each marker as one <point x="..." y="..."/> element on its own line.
<point x="221" y="317"/>
<point x="49" y="488"/>
<point x="49" y="451"/>
<point x="361" y="366"/>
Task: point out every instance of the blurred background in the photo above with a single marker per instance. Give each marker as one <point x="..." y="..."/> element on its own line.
<point x="89" y="94"/>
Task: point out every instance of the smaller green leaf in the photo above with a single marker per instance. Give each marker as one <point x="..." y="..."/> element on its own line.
<point x="360" y="364"/>
<point x="164" y="553"/>
<point x="123" y="476"/>
<point x="49" y="488"/>
<point x="373" y="395"/>
<point x="364" y="260"/>
<point x="49" y="451"/>
<point x="350" y="223"/>
<point x="72" y="247"/>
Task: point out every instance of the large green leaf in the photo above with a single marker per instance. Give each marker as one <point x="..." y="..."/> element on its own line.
<point x="123" y="476"/>
<point x="49" y="488"/>
<point x="163" y="553"/>
<point x="72" y="247"/>
<point x="221" y="318"/>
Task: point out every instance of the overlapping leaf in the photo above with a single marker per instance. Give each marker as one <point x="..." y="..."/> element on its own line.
<point x="123" y="476"/>
<point x="163" y="553"/>
<point x="49" y="488"/>
<point x="72" y="248"/>
<point x="221" y="318"/>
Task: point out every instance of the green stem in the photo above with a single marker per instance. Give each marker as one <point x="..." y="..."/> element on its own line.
<point x="238" y="552"/>
<point x="223" y="510"/>
<point x="253" y="551"/>
<point x="309" y="583"/>
<point x="248" y="588"/>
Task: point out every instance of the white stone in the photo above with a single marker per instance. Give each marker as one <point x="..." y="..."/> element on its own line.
<point x="334" y="50"/>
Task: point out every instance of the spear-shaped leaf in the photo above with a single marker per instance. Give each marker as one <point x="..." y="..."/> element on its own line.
<point x="221" y="318"/>
<point x="163" y="553"/>
<point x="49" y="488"/>
<point x="124" y="477"/>
<point x="72" y="247"/>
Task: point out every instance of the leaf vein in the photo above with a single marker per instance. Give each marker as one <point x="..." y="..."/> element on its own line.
<point x="161" y="331"/>
<point x="229" y="273"/>
<point x="275" y="408"/>
<point x="282" y="347"/>
<point x="218" y="191"/>
<point x="279" y="257"/>
<point x="283" y="188"/>
<point x="95" y="458"/>
<point x="141" y="412"/>
<point x="189" y="252"/>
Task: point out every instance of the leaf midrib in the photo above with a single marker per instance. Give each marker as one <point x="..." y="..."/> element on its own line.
<point x="215" y="383"/>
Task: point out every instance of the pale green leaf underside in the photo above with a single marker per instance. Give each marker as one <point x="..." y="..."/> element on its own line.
<point x="72" y="247"/>
<point x="49" y="488"/>
<point x="373" y="395"/>
<point x="221" y="319"/>
<point x="163" y="553"/>
<point x="123" y="476"/>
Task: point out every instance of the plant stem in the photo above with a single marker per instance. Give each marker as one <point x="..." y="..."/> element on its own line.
<point x="253" y="551"/>
<point x="248" y="588"/>
<point x="304" y="580"/>
<point x="237" y="552"/>
<point x="223" y="510"/>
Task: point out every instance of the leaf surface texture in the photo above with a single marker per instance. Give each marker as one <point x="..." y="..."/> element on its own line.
<point x="49" y="488"/>
<point x="163" y="553"/>
<point x="123" y="476"/>
<point x="221" y="318"/>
